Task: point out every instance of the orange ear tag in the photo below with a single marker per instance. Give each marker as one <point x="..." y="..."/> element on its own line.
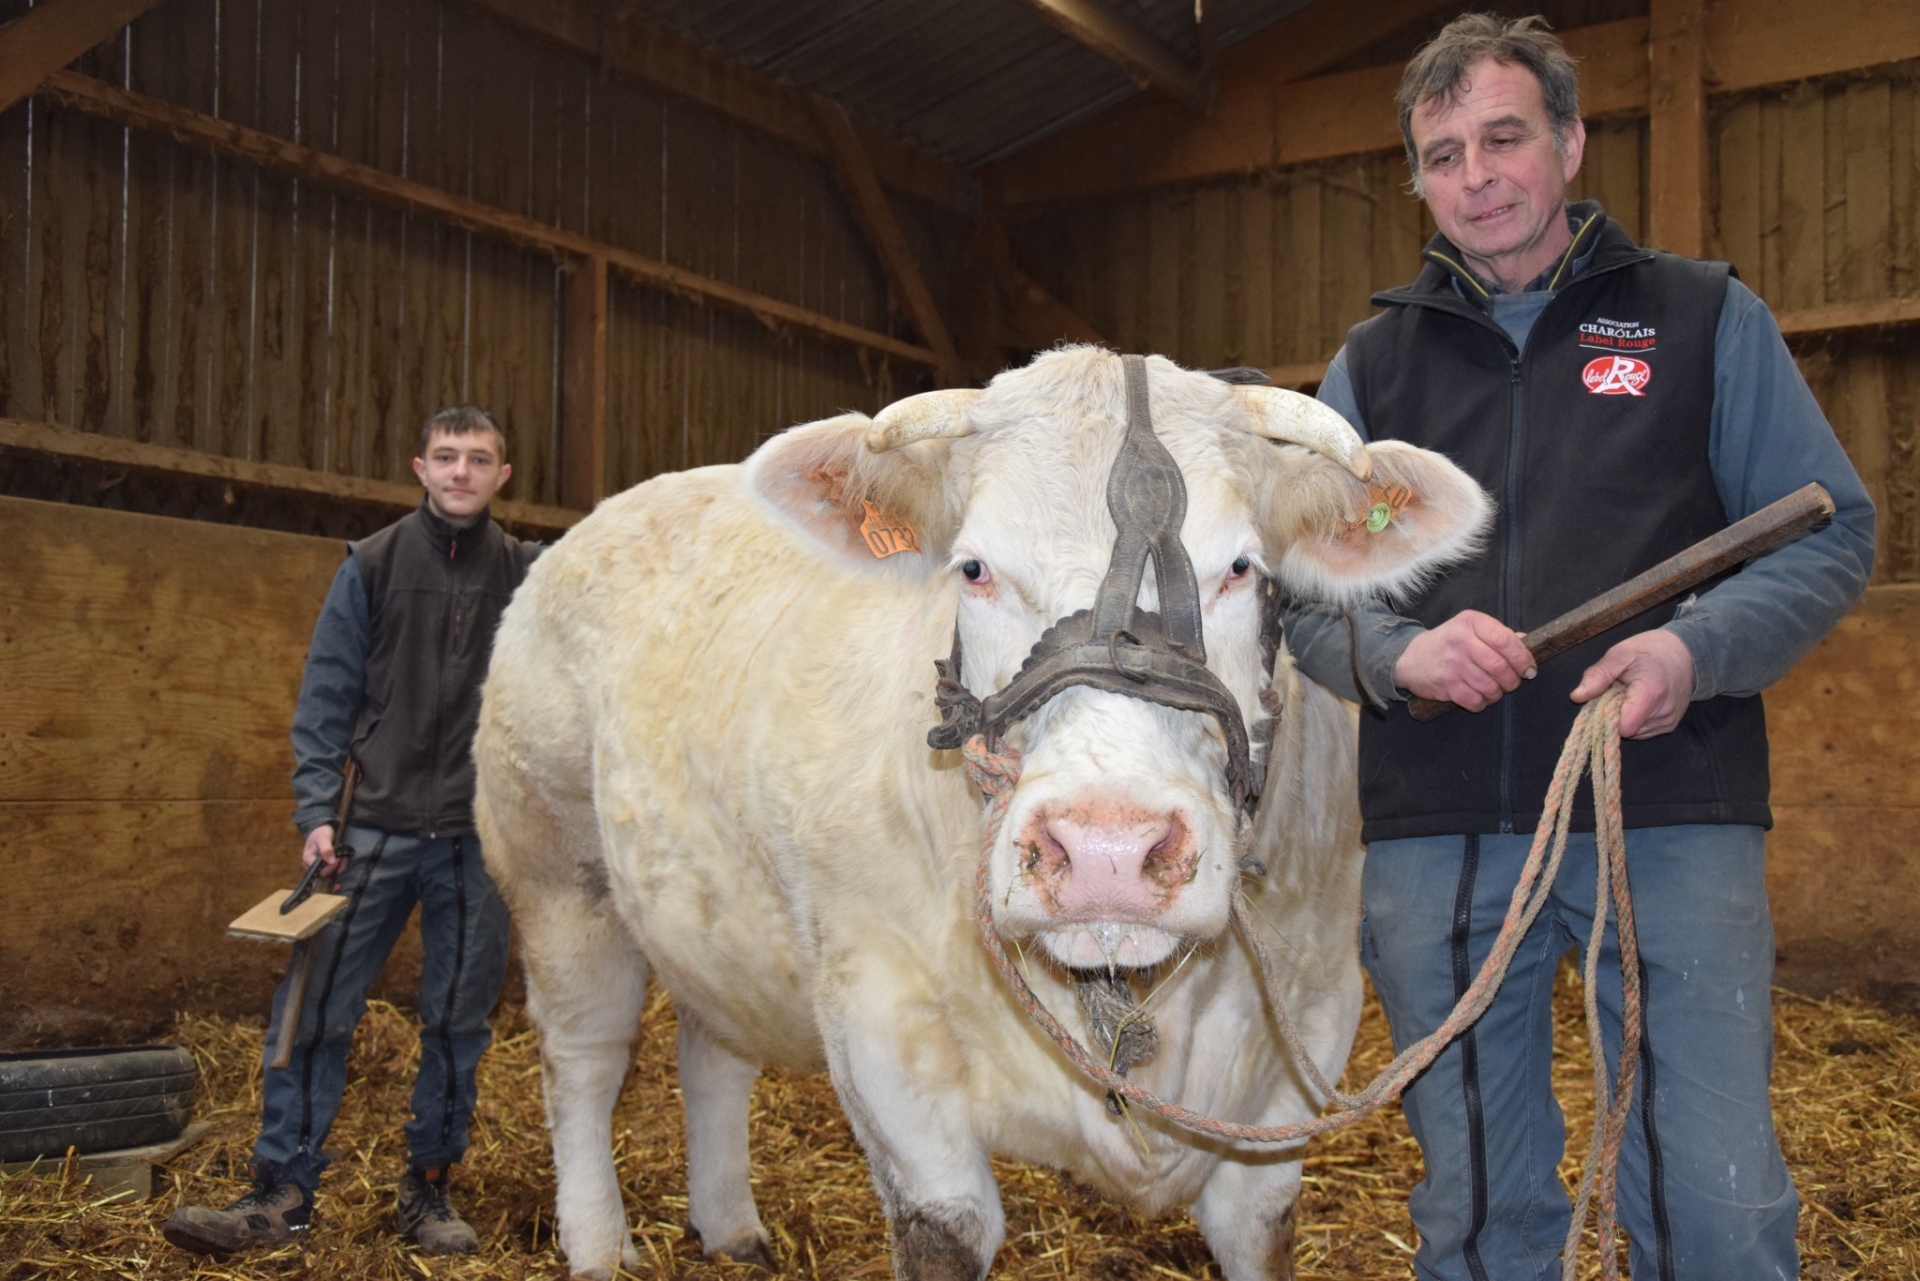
<point x="887" y="534"/>
<point x="1387" y="503"/>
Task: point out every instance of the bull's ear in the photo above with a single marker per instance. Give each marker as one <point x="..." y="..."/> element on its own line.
<point x="869" y="510"/>
<point x="1340" y="539"/>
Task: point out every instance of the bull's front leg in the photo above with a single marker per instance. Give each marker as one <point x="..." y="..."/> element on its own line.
<point x="1247" y="1212"/>
<point x="900" y="1078"/>
<point x="716" y="1089"/>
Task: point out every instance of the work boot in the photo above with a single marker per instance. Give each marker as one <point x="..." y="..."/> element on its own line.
<point x="273" y="1213"/>
<point x="428" y="1219"/>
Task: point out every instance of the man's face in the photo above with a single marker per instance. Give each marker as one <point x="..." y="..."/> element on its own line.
<point x="462" y="473"/>
<point x="1491" y="174"/>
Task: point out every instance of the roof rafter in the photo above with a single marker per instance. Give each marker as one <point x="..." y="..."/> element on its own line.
<point x="1150" y="64"/>
<point x="45" y="39"/>
<point x="1163" y="143"/>
<point x="854" y="169"/>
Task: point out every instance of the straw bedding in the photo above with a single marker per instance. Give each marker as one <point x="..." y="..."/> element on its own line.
<point x="1846" y="1085"/>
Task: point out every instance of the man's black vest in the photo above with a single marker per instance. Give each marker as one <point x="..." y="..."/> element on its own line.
<point x="435" y="593"/>
<point x="1593" y="444"/>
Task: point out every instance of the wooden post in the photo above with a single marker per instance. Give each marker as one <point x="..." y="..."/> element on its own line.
<point x="43" y="40"/>
<point x="583" y="388"/>
<point x="1677" y="127"/>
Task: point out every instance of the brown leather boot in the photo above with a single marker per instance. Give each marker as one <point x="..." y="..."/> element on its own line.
<point x="428" y="1219"/>
<point x="273" y="1214"/>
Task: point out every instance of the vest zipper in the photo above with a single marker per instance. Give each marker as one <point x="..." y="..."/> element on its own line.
<point x="440" y="696"/>
<point x="1510" y="578"/>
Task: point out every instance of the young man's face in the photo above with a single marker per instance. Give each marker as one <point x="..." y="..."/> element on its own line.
<point x="462" y="473"/>
<point x="1491" y="174"/>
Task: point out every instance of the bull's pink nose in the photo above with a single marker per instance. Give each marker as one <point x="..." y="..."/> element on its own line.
<point x="1110" y="861"/>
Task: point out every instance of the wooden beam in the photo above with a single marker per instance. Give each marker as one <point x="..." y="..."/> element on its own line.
<point x="1884" y="313"/>
<point x="1751" y="43"/>
<point x="48" y="37"/>
<point x="1036" y="318"/>
<point x="870" y="205"/>
<point x="52" y="441"/>
<point x="1322" y="35"/>
<point x="1677" y="127"/>
<point x="691" y="73"/>
<point x="194" y="128"/>
<point x="1254" y="128"/>
<point x="1149" y="64"/>
<point x="583" y="386"/>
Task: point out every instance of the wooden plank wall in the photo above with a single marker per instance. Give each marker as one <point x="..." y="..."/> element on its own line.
<point x="1843" y="866"/>
<point x="155" y="292"/>
<point x="152" y="666"/>
<point x="1272" y="269"/>
<point x="1817" y="201"/>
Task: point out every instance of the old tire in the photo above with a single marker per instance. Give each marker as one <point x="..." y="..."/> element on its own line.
<point x="94" y="1100"/>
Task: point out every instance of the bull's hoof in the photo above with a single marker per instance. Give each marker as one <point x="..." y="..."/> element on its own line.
<point x="753" y="1249"/>
<point x="627" y="1263"/>
<point x="925" y="1249"/>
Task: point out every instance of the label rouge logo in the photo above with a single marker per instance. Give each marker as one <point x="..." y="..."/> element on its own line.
<point x="1616" y="376"/>
<point x="1618" y="335"/>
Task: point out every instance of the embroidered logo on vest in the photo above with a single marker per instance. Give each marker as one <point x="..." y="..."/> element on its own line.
<point x="1617" y="335"/>
<point x="1616" y="376"/>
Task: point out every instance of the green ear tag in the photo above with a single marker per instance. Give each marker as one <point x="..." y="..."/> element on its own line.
<point x="1379" y="516"/>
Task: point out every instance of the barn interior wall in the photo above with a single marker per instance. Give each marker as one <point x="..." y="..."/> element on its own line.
<point x="156" y="292"/>
<point x="151" y="670"/>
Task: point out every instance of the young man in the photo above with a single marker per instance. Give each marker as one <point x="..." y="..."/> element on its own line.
<point x="1620" y="404"/>
<point x="393" y="680"/>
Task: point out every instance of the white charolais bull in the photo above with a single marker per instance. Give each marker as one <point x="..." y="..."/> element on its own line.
<point x="702" y="757"/>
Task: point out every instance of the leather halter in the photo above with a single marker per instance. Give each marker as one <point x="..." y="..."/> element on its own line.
<point x="1116" y="646"/>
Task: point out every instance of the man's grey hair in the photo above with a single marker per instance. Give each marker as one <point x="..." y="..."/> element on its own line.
<point x="460" y="420"/>
<point x="1438" y="72"/>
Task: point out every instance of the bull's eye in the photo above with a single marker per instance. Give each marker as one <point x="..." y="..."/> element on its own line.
<point x="974" y="571"/>
<point x="1241" y="564"/>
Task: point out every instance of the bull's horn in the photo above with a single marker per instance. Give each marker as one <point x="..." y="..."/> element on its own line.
<point x="1279" y="414"/>
<point x="922" y="417"/>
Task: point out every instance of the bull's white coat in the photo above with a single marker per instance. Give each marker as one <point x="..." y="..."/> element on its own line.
<point x="702" y="757"/>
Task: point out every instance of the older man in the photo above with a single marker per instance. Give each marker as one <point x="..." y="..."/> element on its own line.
<point x="1621" y="404"/>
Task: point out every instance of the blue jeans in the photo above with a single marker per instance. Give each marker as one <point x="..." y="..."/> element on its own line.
<point x="1704" y="1194"/>
<point x="463" y="934"/>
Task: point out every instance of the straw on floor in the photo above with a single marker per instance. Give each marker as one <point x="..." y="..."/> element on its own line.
<point x="1846" y="1085"/>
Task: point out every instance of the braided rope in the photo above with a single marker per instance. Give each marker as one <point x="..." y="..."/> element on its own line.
<point x="1594" y="741"/>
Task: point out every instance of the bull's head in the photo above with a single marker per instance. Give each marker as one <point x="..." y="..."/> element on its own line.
<point x="1127" y="830"/>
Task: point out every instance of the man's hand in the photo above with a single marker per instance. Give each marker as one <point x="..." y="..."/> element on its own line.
<point x="319" y="847"/>
<point x="1657" y="670"/>
<point x="1472" y="659"/>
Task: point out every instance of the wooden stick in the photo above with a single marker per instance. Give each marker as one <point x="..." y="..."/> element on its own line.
<point x="300" y="964"/>
<point x="1755" y="535"/>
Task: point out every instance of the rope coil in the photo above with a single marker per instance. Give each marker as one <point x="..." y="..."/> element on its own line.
<point x="1594" y="744"/>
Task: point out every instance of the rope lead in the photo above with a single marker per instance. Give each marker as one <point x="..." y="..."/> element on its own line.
<point x="1594" y="743"/>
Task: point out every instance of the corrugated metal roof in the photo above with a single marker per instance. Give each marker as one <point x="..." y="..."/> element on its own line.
<point x="968" y="80"/>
